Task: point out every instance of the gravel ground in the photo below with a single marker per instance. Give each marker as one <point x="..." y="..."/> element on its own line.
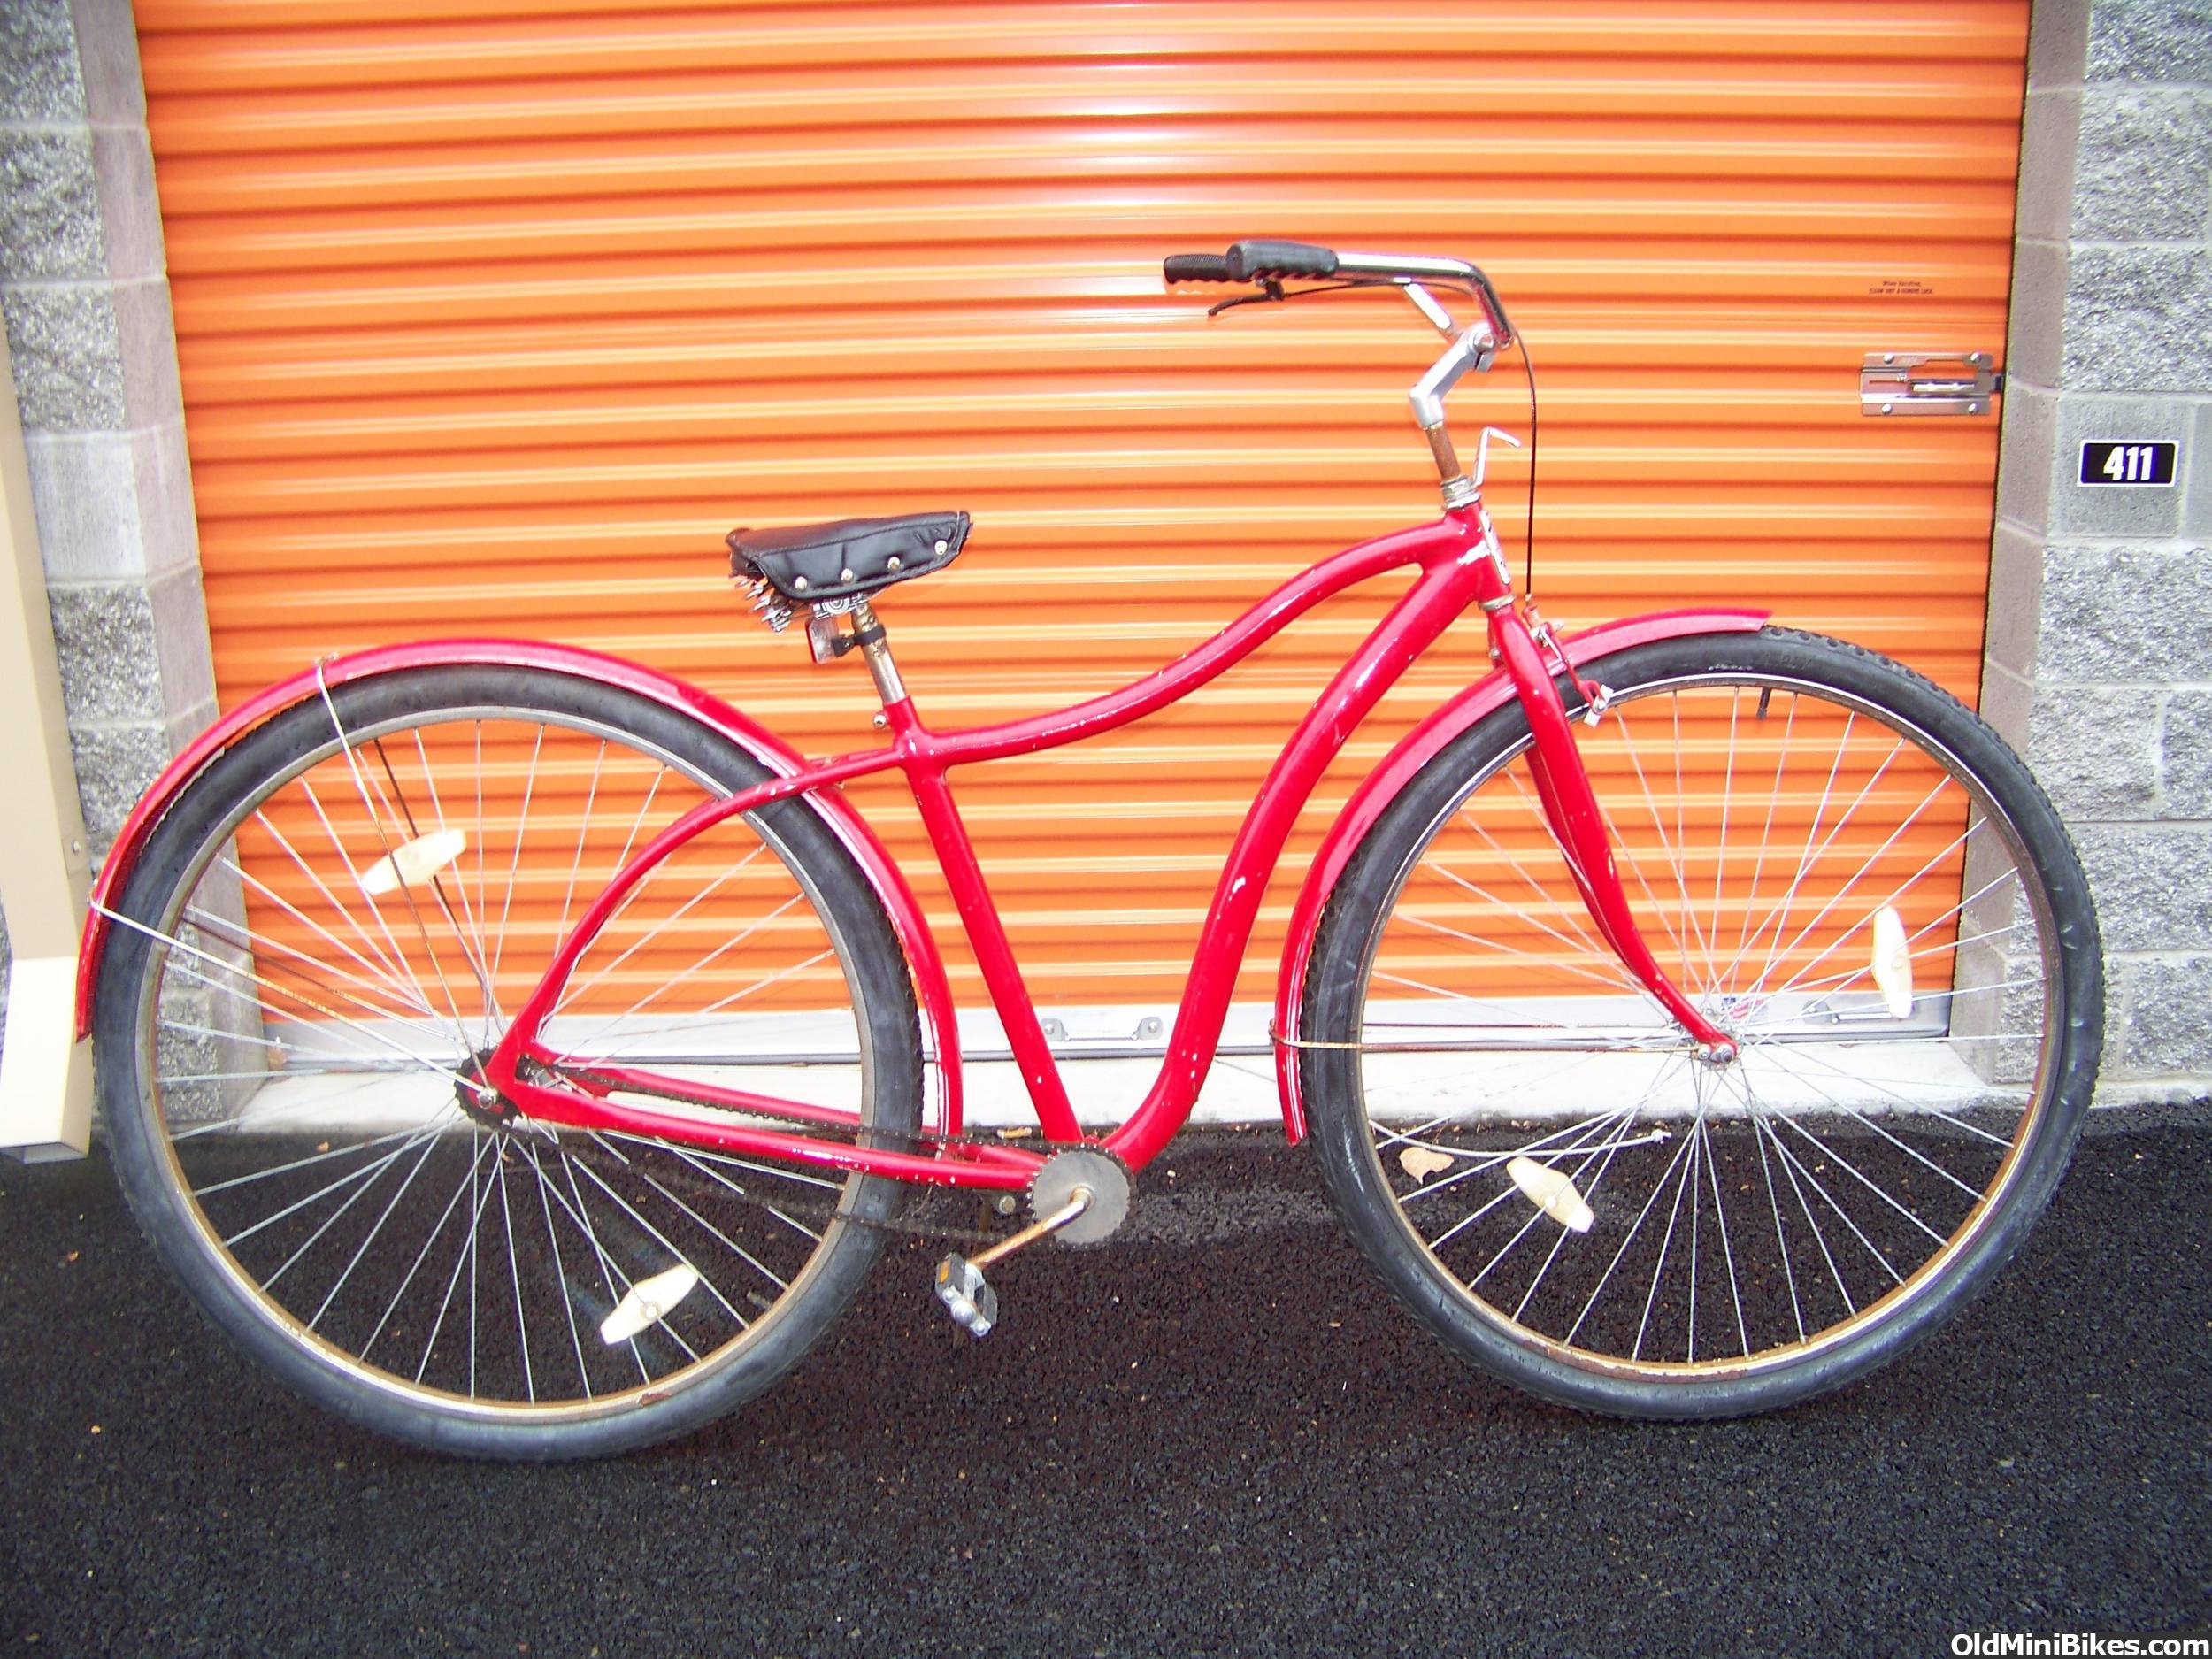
<point x="1212" y="1435"/>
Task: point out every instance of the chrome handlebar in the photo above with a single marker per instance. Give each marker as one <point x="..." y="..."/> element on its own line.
<point x="1472" y="349"/>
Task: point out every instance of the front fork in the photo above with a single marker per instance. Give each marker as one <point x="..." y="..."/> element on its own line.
<point x="1570" y="807"/>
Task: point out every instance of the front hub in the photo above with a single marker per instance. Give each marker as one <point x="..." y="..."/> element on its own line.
<point x="1725" y="1015"/>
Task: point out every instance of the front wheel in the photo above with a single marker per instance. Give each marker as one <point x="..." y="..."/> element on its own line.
<point x="1843" y="868"/>
<point x="329" y="930"/>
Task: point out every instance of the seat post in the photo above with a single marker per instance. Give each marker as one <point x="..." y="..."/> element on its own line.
<point x="875" y="645"/>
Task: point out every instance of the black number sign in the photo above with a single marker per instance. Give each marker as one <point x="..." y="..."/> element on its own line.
<point x="2130" y="461"/>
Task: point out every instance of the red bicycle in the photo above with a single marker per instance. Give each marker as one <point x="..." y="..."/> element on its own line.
<point x="524" y="1054"/>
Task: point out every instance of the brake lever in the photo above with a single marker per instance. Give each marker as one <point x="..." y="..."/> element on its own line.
<point x="1270" y="288"/>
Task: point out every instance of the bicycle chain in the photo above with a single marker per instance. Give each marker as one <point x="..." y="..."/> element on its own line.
<point x="822" y="1211"/>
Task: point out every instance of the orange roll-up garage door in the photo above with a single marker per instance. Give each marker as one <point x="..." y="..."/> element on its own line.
<point x="494" y="316"/>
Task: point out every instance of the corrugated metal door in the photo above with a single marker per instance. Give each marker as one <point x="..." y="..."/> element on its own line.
<point x="494" y="317"/>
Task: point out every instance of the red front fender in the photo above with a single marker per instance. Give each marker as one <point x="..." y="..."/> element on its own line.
<point x="1415" y="750"/>
<point x="932" y="990"/>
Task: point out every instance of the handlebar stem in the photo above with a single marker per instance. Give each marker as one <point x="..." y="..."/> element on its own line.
<point x="1472" y="351"/>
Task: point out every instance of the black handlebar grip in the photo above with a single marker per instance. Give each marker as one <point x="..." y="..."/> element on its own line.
<point x="1258" y="261"/>
<point x="1196" y="267"/>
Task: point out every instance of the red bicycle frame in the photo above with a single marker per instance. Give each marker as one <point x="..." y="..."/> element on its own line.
<point x="1458" y="564"/>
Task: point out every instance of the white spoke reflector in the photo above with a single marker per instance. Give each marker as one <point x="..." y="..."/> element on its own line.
<point x="1892" y="961"/>
<point x="413" y="862"/>
<point x="1551" y="1192"/>
<point x="1420" y="1162"/>
<point x="648" y="1303"/>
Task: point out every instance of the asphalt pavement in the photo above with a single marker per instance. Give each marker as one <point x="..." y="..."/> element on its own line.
<point x="1211" y="1435"/>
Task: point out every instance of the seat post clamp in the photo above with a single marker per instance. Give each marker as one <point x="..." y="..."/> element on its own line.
<point x="828" y="642"/>
<point x="876" y="646"/>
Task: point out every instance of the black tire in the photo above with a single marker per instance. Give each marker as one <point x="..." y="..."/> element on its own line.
<point x="263" y="949"/>
<point x="1965" y="1106"/>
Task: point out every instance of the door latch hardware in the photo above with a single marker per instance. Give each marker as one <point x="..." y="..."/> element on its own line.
<point x="1103" y="1030"/>
<point x="1928" y="383"/>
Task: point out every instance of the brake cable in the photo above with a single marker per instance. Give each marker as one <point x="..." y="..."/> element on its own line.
<point x="1528" y="571"/>
<point x="1271" y="290"/>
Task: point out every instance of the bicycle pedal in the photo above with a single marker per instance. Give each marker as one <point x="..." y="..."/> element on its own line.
<point x="967" y="1295"/>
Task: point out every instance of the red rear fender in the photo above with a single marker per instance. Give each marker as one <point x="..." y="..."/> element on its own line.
<point x="898" y="899"/>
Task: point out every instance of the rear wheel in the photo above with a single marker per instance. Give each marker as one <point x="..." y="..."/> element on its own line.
<point x="328" y="930"/>
<point x="1843" y="868"/>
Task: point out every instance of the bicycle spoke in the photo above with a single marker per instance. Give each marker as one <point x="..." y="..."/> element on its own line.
<point x="1853" y="1170"/>
<point x="422" y="1254"/>
<point x="1720" y="850"/>
<point x="721" y="1237"/>
<point x="395" y="806"/>
<point x="361" y="1180"/>
<point x="386" y="850"/>
<point x="1841" y="979"/>
<point x="661" y="1239"/>
<point x="514" y="1270"/>
<point x="1909" y="1151"/>
<point x="1490" y="1162"/>
<point x="1797" y="981"/>
<point x="1779" y="835"/>
<point x="1583" y="943"/>
<point x="393" y="965"/>
<point x="514" y="867"/>
<point x="581" y="1215"/>
<point x="379" y="972"/>
<point x="560" y="1269"/>
<point x="468" y="927"/>
<point x="1800" y="1177"/>
<point x="176" y="944"/>
<point x="1690" y="926"/>
<point x="1822" y="914"/>
<point x="1781" y="1233"/>
<point x="1590" y="1193"/>
<point x="577" y="989"/>
<point x="1814" y="855"/>
<point x="583" y="827"/>
<point x="213" y="1187"/>
<point x="400" y="1191"/>
<point x="734" y="942"/>
<point x="1573" y="917"/>
<point x="1728" y="1249"/>
<point x="732" y="1161"/>
<point x="690" y="1155"/>
<point x="1605" y="1126"/>
<point x="330" y="983"/>
<point x="466" y="1257"/>
<point x="630" y="1037"/>
<point x="1634" y="1228"/>
<point x="1688" y="1160"/>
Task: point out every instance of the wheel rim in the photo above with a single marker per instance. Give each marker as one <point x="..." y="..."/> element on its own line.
<point x="303" y="1042"/>
<point x="1741" y="1217"/>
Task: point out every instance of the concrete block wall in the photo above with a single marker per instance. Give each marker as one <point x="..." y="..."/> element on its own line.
<point x="84" y="298"/>
<point x="2100" y="630"/>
